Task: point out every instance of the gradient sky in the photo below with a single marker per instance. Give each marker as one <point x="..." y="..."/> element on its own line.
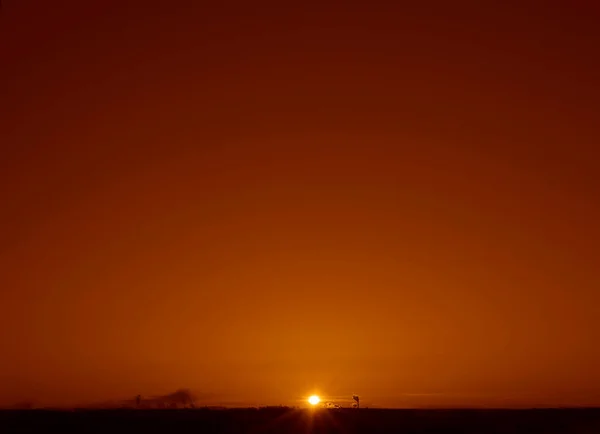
<point x="259" y="200"/>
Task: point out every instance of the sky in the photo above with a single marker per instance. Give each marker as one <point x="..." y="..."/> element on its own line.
<point x="263" y="200"/>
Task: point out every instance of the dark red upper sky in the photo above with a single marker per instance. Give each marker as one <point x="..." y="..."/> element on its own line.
<point x="261" y="200"/>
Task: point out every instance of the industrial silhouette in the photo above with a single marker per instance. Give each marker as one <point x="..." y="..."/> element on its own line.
<point x="182" y="398"/>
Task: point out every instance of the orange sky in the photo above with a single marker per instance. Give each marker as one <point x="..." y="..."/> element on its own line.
<point x="261" y="200"/>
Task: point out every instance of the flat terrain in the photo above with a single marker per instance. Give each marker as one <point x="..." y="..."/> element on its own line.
<point x="290" y="421"/>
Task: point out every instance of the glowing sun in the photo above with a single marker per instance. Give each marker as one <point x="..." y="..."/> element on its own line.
<point x="314" y="400"/>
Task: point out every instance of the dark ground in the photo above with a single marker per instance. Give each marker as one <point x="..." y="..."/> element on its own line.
<point x="290" y="421"/>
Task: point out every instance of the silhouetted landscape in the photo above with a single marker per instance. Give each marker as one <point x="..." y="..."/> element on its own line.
<point x="289" y="420"/>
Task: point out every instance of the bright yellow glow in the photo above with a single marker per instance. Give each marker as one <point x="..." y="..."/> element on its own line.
<point x="314" y="400"/>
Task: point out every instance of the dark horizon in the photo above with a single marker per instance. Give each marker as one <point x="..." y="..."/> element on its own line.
<point x="278" y="420"/>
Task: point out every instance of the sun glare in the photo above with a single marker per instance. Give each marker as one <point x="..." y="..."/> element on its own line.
<point x="314" y="400"/>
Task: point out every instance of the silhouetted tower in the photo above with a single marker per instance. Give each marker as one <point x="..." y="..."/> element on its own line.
<point x="357" y="399"/>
